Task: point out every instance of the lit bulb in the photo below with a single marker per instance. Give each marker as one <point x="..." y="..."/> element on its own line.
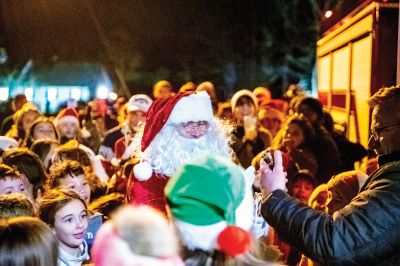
<point x="328" y="13"/>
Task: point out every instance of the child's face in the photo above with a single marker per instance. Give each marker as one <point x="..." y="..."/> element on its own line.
<point x="70" y="225"/>
<point x="78" y="184"/>
<point x="302" y="190"/>
<point x="293" y="136"/>
<point x="44" y="130"/>
<point x="10" y="185"/>
<point x="68" y="129"/>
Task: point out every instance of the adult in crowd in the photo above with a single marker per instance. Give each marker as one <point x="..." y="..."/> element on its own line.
<point x="134" y="111"/>
<point x="248" y="138"/>
<point x="177" y="129"/>
<point x="350" y="152"/>
<point x="323" y="147"/>
<point x="364" y="231"/>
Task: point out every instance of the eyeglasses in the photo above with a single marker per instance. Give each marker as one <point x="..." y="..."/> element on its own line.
<point x="190" y="126"/>
<point x="376" y="131"/>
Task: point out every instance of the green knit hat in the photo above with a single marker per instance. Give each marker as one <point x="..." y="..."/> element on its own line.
<point x="206" y="191"/>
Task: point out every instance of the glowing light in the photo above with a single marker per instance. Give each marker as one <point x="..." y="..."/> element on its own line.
<point x="51" y="94"/>
<point x="76" y="94"/>
<point x="29" y="94"/>
<point x="328" y="13"/>
<point x="4" y="93"/>
<point x="102" y="92"/>
<point x="112" y="96"/>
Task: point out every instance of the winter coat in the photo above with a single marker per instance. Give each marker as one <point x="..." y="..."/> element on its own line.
<point x="365" y="232"/>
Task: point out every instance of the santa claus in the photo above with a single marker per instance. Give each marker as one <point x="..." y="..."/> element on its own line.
<point x="177" y="130"/>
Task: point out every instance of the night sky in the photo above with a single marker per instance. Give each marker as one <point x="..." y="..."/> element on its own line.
<point x="235" y="44"/>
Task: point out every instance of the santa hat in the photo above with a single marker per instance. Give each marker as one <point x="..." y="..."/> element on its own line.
<point x="176" y="109"/>
<point x="67" y="115"/>
<point x="240" y="94"/>
<point x="139" y="102"/>
<point x="7" y="143"/>
<point x="203" y="198"/>
<point x="136" y="236"/>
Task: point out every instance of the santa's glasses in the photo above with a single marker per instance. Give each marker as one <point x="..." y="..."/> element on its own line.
<point x="191" y="126"/>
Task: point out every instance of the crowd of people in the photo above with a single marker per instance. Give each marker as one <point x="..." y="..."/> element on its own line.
<point x="180" y="178"/>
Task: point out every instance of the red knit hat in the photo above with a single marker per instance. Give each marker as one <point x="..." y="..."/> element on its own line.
<point x="65" y="115"/>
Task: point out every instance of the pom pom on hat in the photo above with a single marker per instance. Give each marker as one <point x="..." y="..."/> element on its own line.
<point x="142" y="171"/>
<point x="233" y="241"/>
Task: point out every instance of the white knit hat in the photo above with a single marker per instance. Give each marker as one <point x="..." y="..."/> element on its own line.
<point x="240" y="94"/>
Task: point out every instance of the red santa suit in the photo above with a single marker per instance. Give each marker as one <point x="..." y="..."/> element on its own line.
<point x="146" y="184"/>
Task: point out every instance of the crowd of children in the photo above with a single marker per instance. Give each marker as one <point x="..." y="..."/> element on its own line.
<point x="193" y="161"/>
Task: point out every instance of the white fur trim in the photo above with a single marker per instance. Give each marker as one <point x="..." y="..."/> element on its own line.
<point x="115" y="161"/>
<point x="64" y="119"/>
<point x="190" y="233"/>
<point x="143" y="171"/>
<point x="195" y="107"/>
<point x="128" y="151"/>
<point x="99" y="169"/>
<point x="245" y="211"/>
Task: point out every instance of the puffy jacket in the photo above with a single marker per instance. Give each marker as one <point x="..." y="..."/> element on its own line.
<point x="365" y="232"/>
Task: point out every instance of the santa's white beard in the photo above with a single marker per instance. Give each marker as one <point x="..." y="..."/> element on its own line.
<point x="169" y="150"/>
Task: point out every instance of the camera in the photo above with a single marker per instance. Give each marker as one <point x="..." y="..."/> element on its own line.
<point x="269" y="158"/>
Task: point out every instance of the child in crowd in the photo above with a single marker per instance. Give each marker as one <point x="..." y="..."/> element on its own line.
<point x="12" y="182"/>
<point x="27" y="241"/>
<point x="42" y="128"/>
<point x="14" y="205"/>
<point x="71" y="175"/>
<point x="294" y="139"/>
<point x="45" y="149"/>
<point x="66" y="213"/>
<point x="29" y="166"/>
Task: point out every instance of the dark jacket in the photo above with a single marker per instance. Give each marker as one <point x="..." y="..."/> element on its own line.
<point x="246" y="150"/>
<point x="327" y="154"/>
<point x="365" y="232"/>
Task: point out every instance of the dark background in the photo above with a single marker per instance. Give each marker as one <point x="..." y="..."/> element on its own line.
<point x="235" y="44"/>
